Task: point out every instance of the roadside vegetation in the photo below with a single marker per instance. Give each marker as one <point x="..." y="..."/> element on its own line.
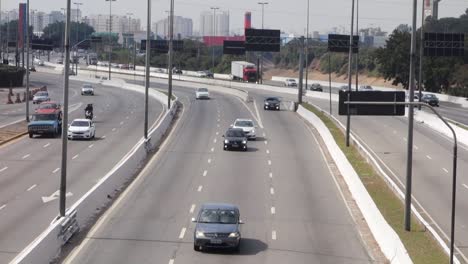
<point x="419" y="242"/>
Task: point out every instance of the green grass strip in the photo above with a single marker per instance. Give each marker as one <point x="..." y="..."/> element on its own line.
<point x="421" y="246"/>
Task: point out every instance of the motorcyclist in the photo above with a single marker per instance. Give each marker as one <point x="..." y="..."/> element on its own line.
<point x="89" y="108"/>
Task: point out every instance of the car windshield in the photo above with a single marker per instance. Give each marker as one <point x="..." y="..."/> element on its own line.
<point x="47" y="106"/>
<point x="244" y="123"/>
<point x="42" y="94"/>
<point x="80" y="124"/>
<point x="43" y="117"/>
<point x="429" y="96"/>
<point x="235" y="133"/>
<point x="87" y="86"/>
<point x="218" y="216"/>
<point x="203" y="90"/>
<point x="272" y="99"/>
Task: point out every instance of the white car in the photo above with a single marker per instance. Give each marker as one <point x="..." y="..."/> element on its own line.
<point x="38" y="62"/>
<point x="201" y="74"/>
<point x="41" y="96"/>
<point x="202" y="93"/>
<point x="247" y="125"/>
<point x="365" y="88"/>
<point x="87" y="89"/>
<point x="290" y="83"/>
<point x="81" y="129"/>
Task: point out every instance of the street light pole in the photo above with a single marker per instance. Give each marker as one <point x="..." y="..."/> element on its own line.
<point x="77" y="34"/>
<point x="147" y="65"/>
<point x="307" y="47"/>
<point x="357" y="53"/>
<point x="261" y="54"/>
<point x="62" y="36"/>
<point x="171" y="50"/>
<point x="421" y="54"/>
<point x="27" y="61"/>
<point x="214" y="32"/>
<point x="350" y="60"/>
<point x="110" y="33"/>
<point x="63" y="170"/>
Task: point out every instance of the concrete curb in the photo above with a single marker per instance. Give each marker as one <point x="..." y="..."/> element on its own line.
<point x="13" y="138"/>
<point x="48" y="244"/>
<point x="386" y="237"/>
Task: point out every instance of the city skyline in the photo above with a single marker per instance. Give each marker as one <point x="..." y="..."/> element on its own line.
<point x="287" y="17"/>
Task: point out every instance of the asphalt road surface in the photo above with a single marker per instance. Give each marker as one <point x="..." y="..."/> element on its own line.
<point x="292" y="209"/>
<point x="30" y="168"/>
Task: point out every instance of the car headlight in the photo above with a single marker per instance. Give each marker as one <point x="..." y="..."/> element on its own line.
<point x="199" y="234"/>
<point x="226" y="141"/>
<point x="244" y="141"/>
<point x="235" y="234"/>
<point x="266" y="103"/>
<point x="252" y="131"/>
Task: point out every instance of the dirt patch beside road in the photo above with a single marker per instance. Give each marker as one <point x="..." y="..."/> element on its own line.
<point x="13" y="131"/>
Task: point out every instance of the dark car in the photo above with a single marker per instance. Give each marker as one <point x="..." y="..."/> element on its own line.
<point x="209" y="74"/>
<point x="235" y="139"/>
<point x="430" y="99"/>
<point x="176" y="71"/>
<point x="316" y="87"/>
<point x="272" y="103"/>
<point x="217" y="226"/>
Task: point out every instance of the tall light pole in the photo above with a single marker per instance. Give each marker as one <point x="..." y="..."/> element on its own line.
<point x="129" y="25"/>
<point x="147" y="65"/>
<point x="63" y="170"/>
<point x="171" y="50"/>
<point x="77" y="20"/>
<point x="350" y="60"/>
<point x="357" y="54"/>
<point x="110" y="33"/>
<point x="63" y="35"/>
<point x="261" y="54"/>
<point x="27" y="61"/>
<point x="307" y="47"/>
<point x="214" y="32"/>
<point x="421" y="54"/>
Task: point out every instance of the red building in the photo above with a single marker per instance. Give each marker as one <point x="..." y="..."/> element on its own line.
<point x="219" y="40"/>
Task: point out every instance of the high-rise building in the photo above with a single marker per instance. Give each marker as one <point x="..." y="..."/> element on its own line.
<point x="220" y="27"/>
<point x="120" y="24"/>
<point x="55" y="16"/>
<point x="75" y="15"/>
<point x="183" y="27"/>
<point x="247" y="20"/>
<point x="38" y="21"/>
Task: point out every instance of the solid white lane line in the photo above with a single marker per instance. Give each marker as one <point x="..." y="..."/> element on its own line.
<point x="444" y="169"/>
<point x="416" y="147"/>
<point x="204" y="173"/>
<point x="215" y="140"/>
<point x="429" y="157"/>
<point x="273" y="210"/>
<point x="192" y="208"/>
<point x="171" y="261"/>
<point x="182" y="233"/>
<point x="74" y="157"/>
<point x="209" y="160"/>
<point x="269" y="162"/>
<point x="271" y="175"/>
<point x="25" y="156"/>
<point x="32" y="187"/>
<point x="404" y="139"/>
<point x="4" y="169"/>
<point x="273" y="235"/>
<point x="267" y="151"/>
<point x="46" y="145"/>
<point x="3" y="206"/>
<point x="212" y="149"/>
<point x="272" y="191"/>
<point x="199" y="188"/>
<point x="90" y="146"/>
<point x="57" y="169"/>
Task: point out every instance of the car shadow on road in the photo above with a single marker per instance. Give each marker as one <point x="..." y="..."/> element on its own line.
<point x="259" y="139"/>
<point x="248" y="246"/>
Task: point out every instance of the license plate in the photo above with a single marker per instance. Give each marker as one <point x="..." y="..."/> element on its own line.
<point x="216" y="241"/>
<point x="235" y="145"/>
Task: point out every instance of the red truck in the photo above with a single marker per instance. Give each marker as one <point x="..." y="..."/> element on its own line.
<point x="243" y="71"/>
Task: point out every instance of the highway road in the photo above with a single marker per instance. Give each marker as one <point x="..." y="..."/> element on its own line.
<point x="288" y="199"/>
<point x="30" y="168"/>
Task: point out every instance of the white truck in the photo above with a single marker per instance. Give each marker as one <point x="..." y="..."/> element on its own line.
<point x="243" y="71"/>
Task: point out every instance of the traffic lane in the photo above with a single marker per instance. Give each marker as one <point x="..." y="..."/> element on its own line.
<point x="28" y="212"/>
<point x="432" y="166"/>
<point x="452" y="111"/>
<point x="145" y="226"/>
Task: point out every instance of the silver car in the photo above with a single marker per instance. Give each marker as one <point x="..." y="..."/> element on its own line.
<point x="217" y="226"/>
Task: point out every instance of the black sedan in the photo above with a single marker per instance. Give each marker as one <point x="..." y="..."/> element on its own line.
<point x="217" y="226"/>
<point x="430" y="99"/>
<point x="235" y="139"/>
<point x="316" y="87"/>
<point x="272" y="103"/>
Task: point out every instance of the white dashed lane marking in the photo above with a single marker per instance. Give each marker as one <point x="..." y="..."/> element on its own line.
<point x="272" y="191"/>
<point x="121" y="123"/>
<point x="74" y="157"/>
<point x="32" y="187"/>
<point x="269" y="162"/>
<point x="444" y="169"/>
<point x="271" y="175"/>
<point x="90" y="146"/>
<point x="466" y="186"/>
<point x="199" y="188"/>
<point x="217" y="133"/>
<point x="264" y="134"/>
<point x="266" y="142"/>
<point x="267" y="151"/>
<point x="273" y="235"/>
<point x="215" y="140"/>
<point x="204" y="173"/>
<point x="273" y="210"/>
<point x="26" y="156"/>
<point x="404" y="139"/>
<point x="209" y="160"/>
<point x="429" y="157"/>
<point x="416" y="147"/>
<point x="212" y="149"/>
<point x="182" y="233"/>
<point x="171" y="261"/>
<point x="57" y="169"/>
<point x="3" y="206"/>
<point x="46" y="145"/>
<point x="4" y="169"/>
<point x="113" y="129"/>
<point x="192" y="208"/>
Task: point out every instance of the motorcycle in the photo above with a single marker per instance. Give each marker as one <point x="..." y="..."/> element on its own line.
<point x="89" y="115"/>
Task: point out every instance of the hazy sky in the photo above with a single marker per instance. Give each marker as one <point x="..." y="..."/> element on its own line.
<point x="287" y="15"/>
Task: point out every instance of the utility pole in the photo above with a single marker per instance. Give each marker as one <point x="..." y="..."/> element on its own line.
<point x="110" y="35"/>
<point x="77" y="34"/>
<point x="261" y="54"/>
<point x="357" y="53"/>
<point x="147" y="65"/>
<point x="350" y="60"/>
<point x="128" y="36"/>
<point x="63" y="35"/>
<point x="63" y="170"/>
<point x="213" y="35"/>
<point x="421" y="54"/>
<point x="171" y="50"/>
<point x="307" y="48"/>
<point x="301" y="71"/>
<point x="27" y="60"/>
<point x="409" y="159"/>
